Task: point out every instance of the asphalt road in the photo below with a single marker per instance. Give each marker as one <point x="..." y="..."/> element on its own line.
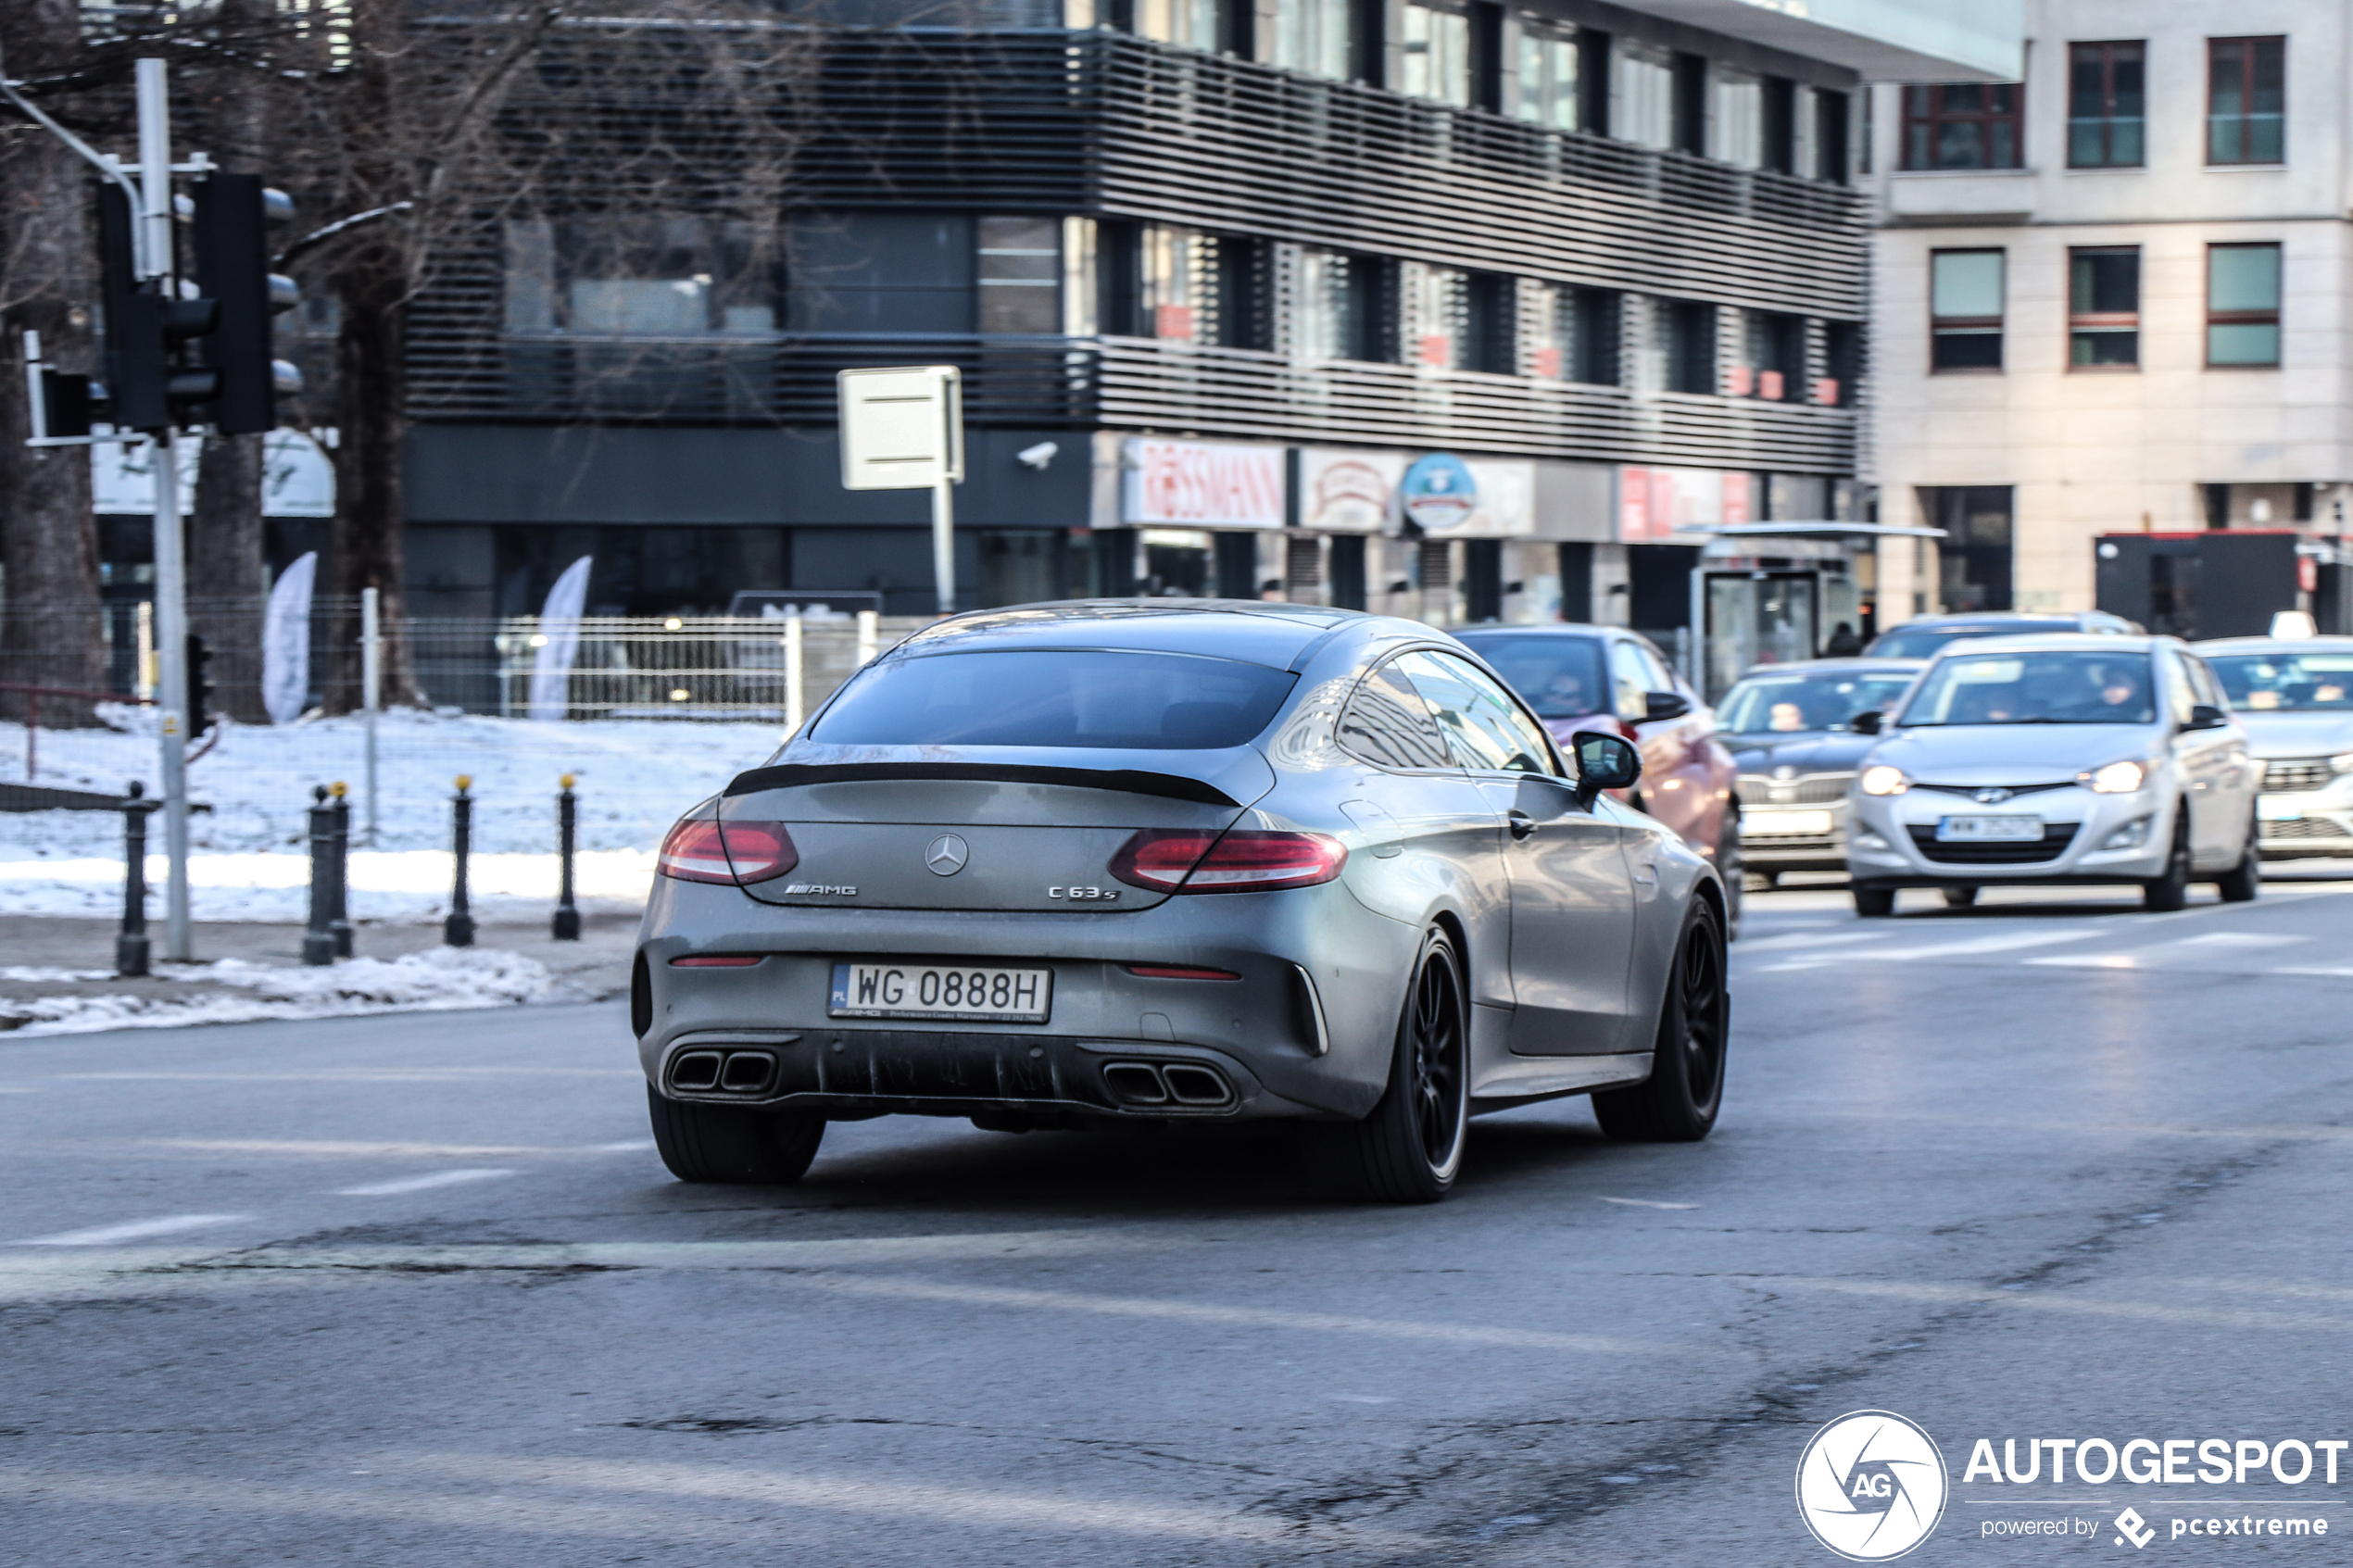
<point x="415" y="1290"/>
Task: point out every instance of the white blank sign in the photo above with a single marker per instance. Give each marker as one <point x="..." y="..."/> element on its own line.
<point x="901" y="429"/>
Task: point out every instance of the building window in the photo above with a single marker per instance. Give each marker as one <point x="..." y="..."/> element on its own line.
<point x="1197" y="24"/>
<point x="1831" y="155"/>
<point x="2107" y="104"/>
<point x="1973" y="557"/>
<point x="1841" y="365"/>
<point x="1778" y="114"/>
<point x="2246" y="100"/>
<point x="1343" y="307"/>
<point x="1548" y="77"/>
<point x="1317" y="36"/>
<point x="1573" y="334"/>
<point x="1740" y="118"/>
<point x="1772" y="356"/>
<point x="1685" y="332"/>
<point x="1438" y="54"/>
<point x="1170" y="292"/>
<point x="638" y="277"/>
<point x="1643" y="107"/>
<point x="1489" y="325"/>
<point x="1439" y="301"/>
<point x="1965" y="310"/>
<point x="2243" y="305"/>
<point x="1691" y="104"/>
<point x="1962" y="125"/>
<point x="2104" y="308"/>
<point x="1020" y="275"/>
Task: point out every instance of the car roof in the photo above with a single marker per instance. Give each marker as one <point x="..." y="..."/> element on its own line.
<point x="2059" y="642"/>
<point x="2274" y="644"/>
<point x="1537" y="629"/>
<point x="1249" y="630"/>
<point x="1860" y="664"/>
<point x="2002" y="618"/>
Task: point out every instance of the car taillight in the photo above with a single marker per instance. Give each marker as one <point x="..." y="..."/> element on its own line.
<point x="700" y="850"/>
<point x="1180" y="860"/>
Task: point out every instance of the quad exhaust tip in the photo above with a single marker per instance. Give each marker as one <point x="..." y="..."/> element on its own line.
<point x="733" y="1072"/>
<point x="1178" y="1085"/>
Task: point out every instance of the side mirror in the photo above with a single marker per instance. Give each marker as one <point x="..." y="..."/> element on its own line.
<point x="2204" y="716"/>
<point x="1665" y="704"/>
<point x="1867" y="722"/>
<point x="1604" y="763"/>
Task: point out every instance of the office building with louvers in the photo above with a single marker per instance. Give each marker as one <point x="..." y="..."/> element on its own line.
<point x="1458" y="309"/>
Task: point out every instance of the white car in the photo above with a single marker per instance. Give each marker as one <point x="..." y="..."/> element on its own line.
<point x="2056" y="759"/>
<point x="2295" y="700"/>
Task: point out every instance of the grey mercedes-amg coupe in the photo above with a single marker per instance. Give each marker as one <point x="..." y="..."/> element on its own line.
<point x="1074" y="865"/>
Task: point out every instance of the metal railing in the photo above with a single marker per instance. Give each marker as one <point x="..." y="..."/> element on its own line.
<point x="738" y="667"/>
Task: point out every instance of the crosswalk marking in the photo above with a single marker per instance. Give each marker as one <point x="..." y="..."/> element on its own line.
<point x="2156" y="945"/>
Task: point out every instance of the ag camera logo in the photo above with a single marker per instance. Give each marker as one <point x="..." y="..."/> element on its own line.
<point x="1872" y="1486"/>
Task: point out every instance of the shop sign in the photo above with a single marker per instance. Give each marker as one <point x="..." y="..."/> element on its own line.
<point x="1654" y="503"/>
<point x="1443" y="496"/>
<point x="1202" y="484"/>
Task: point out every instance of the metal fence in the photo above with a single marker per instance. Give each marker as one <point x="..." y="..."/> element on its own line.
<point x="736" y="667"/>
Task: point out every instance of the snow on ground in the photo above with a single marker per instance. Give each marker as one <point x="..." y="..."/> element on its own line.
<point x="442" y="979"/>
<point x="251" y="853"/>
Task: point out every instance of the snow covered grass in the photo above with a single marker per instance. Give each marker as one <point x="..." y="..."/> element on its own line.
<point x="442" y="979"/>
<point x="250" y="859"/>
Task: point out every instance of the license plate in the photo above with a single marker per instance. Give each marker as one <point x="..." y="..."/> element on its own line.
<point x="2272" y="809"/>
<point x="1989" y="830"/>
<point x="961" y="993"/>
<point x="1761" y="824"/>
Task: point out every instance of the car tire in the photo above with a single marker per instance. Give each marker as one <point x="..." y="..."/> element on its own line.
<point x="1729" y="866"/>
<point x="1870" y="900"/>
<point x="2243" y="881"/>
<point x="2163" y="894"/>
<point x="1959" y="898"/>
<point x="734" y="1144"/>
<point x="1410" y="1149"/>
<point x="1677" y="1103"/>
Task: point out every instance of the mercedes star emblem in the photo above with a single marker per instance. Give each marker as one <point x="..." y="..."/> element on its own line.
<point x="947" y="855"/>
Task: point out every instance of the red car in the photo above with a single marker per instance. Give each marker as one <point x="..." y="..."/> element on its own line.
<point x="1609" y="679"/>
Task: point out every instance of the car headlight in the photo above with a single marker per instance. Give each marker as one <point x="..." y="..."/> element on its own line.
<point x="2342" y="762"/>
<point x="2117" y="778"/>
<point x="1884" y="779"/>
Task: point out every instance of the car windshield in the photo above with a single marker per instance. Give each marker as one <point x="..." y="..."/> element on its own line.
<point x="2285" y="682"/>
<point x="2070" y="687"/>
<point x="1560" y="677"/>
<point x="1057" y="698"/>
<point x="1926" y="642"/>
<point x="1789" y="704"/>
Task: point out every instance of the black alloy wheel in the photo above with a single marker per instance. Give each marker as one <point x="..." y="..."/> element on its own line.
<point x="1410" y="1149"/>
<point x="1679" y="1101"/>
<point x="2166" y="894"/>
<point x="734" y="1144"/>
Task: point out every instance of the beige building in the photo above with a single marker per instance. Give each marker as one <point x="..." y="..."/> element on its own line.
<point x="2112" y="298"/>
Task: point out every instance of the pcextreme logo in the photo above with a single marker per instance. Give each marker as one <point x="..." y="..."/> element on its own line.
<point x="1872" y="1486"/>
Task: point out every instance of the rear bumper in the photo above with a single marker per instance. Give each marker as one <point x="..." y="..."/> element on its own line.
<point x="1306" y="1030"/>
<point x="1035" y="1078"/>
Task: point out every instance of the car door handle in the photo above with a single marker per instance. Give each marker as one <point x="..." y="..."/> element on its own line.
<point x="1522" y="824"/>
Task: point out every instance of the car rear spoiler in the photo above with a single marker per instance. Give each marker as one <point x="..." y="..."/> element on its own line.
<point x="1126" y="780"/>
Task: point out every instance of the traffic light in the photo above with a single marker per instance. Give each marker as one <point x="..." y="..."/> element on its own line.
<point x="205" y="359"/>
<point x="151" y="383"/>
<point x="233" y="268"/>
<point x="200" y="713"/>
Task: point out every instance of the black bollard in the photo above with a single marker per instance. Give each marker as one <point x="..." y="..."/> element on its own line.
<point x="567" y="927"/>
<point x="458" y="930"/>
<point x="318" y="940"/>
<point x="131" y="946"/>
<point x="339" y="897"/>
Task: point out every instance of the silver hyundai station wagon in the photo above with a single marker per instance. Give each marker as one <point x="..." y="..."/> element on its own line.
<point x="1083" y="864"/>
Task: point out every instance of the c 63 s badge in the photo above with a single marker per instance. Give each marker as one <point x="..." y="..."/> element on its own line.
<point x="1082" y="895"/>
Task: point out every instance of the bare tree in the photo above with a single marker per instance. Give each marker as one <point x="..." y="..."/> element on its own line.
<point x="50" y="627"/>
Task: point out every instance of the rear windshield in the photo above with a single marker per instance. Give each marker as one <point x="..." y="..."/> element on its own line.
<point x="1559" y="677"/>
<point x="1057" y="698"/>
<point x="1926" y="642"/>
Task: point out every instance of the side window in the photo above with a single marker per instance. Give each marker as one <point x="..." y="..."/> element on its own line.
<point x="2178" y="689"/>
<point x="1662" y="676"/>
<point x="1628" y="679"/>
<point x="1388" y="724"/>
<point x="1485" y="729"/>
<point x="2202" y="682"/>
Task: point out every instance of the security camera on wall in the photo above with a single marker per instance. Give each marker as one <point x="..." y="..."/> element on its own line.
<point x="1038" y="456"/>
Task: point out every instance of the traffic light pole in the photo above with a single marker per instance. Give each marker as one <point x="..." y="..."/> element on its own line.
<point x="171" y="564"/>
